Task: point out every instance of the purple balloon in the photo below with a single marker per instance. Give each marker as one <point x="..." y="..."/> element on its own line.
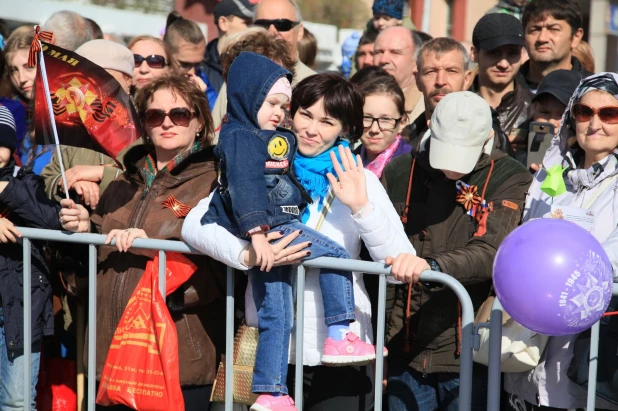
<point x="553" y="277"/>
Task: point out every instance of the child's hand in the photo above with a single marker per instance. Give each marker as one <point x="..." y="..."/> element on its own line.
<point x="263" y="251"/>
<point x="8" y="232"/>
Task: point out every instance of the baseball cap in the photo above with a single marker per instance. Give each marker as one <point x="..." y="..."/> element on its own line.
<point x="496" y="30"/>
<point x="241" y="8"/>
<point x="109" y="55"/>
<point x="460" y="126"/>
<point x="560" y="84"/>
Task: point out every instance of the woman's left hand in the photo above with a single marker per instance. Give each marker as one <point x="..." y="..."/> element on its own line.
<point x="124" y="238"/>
<point x="351" y="188"/>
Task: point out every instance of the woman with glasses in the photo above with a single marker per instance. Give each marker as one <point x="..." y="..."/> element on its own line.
<point x="163" y="180"/>
<point x="591" y="180"/>
<point x="325" y="110"/>
<point x="384" y="117"/>
<point x="152" y="60"/>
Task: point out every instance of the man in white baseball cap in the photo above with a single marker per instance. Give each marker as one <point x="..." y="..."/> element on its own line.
<point x="460" y="127"/>
<point x="115" y="58"/>
<point x="458" y="197"/>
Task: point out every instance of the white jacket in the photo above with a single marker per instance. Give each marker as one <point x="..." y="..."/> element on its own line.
<point x="597" y="189"/>
<point x="381" y="230"/>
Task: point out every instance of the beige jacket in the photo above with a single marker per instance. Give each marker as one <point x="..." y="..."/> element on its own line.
<point x="301" y="72"/>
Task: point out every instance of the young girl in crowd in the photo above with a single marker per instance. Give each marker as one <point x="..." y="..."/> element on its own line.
<point x="22" y="90"/>
<point x="258" y="194"/>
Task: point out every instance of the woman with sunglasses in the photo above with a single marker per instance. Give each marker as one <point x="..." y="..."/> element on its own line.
<point x="591" y="179"/>
<point x="163" y="180"/>
<point x="384" y="117"/>
<point x="151" y="60"/>
<point x="325" y="109"/>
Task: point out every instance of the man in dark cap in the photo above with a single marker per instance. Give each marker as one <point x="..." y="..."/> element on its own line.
<point x="231" y="16"/>
<point x="497" y="42"/>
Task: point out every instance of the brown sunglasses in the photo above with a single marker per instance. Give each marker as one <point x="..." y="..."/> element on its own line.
<point x="180" y="116"/>
<point x="583" y="113"/>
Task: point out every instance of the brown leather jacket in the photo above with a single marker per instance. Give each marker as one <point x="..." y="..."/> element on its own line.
<point x="200" y="315"/>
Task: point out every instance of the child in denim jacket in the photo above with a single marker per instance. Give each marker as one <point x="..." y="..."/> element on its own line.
<point x="259" y="194"/>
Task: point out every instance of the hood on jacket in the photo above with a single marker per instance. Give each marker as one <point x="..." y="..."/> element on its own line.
<point x="212" y="57"/>
<point x="250" y="78"/>
<point x="559" y="151"/>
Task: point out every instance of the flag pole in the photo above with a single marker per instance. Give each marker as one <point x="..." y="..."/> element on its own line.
<point x="52" y="120"/>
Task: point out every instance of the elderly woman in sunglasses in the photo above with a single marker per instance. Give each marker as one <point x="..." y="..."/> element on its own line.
<point x="162" y="182"/>
<point x="591" y="180"/>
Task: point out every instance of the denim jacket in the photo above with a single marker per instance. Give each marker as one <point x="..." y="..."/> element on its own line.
<point x="257" y="187"/>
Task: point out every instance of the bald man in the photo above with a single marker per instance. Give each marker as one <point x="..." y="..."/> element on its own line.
<point x="281" y="18"/>
<point x="394" y="51"/>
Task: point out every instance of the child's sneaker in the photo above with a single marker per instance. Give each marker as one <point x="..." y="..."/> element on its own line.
<point x="267" y="402"/>
<point x="349" y="351"/>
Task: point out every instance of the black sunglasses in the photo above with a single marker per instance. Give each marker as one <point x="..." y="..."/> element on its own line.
<point x="280" y="24"/>
<point x="180" y="116"/>
<point x="154" y="61"/>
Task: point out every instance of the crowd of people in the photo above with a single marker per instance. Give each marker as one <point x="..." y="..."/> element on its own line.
<point x="425" y="158"/>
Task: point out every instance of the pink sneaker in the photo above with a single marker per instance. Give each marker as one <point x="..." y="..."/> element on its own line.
<point x="349" y="351"/>
<point x="267" y="402"/>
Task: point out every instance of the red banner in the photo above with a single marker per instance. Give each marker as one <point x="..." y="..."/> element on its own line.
<point x="90" y="107"/>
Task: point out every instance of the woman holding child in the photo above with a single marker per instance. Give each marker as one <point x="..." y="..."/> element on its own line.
<point x="327" y="112"/>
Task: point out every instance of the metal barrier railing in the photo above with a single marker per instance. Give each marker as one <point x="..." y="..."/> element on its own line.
<point x="163" y="246"/>
<point x="495" y="346"/>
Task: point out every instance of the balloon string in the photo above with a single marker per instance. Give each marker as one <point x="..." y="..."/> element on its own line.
<point x="609" y="314"/>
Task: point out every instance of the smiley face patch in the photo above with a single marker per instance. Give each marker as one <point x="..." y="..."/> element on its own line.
<point x="278" y="147"/>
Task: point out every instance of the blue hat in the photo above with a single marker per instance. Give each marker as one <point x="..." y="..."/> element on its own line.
<point x="392" y="8"/>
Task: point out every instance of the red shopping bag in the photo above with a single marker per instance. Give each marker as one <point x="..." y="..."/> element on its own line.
<point x="141" y="369"/>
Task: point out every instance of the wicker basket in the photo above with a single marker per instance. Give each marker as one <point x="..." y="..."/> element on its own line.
<point x="245" y="348"/>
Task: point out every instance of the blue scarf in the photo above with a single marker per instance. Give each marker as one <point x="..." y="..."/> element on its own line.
<point x="311" y="173"/>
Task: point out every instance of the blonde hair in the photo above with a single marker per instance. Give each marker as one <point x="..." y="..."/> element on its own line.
<point x="584" y="53"/>
<point x="168" y="55"/>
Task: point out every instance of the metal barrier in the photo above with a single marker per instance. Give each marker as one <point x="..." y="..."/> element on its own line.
<point x="495" y="346"/>
<point x="93" y="240"/>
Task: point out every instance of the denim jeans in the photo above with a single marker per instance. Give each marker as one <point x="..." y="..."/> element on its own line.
<point x="410" y="390"/>
<point x="272" y="293"/>
<point x="12" y="375"/>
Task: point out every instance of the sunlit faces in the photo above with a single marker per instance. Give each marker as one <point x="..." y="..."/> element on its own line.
<point x="394" y="52"/>
<point x="272" y="112"/>
<point x="168" y="138"/>
<point x="144" y="73"/>
<point x="550" y="40"/>
<point x="5" y="156"/>
<point x="364" y="55"/>
<point x="378" y="137"/>
<point x="498" y="67"/>
<point x="281" y="9"/>
<point x="598" y="139"/>
<point x="440" y="75"/>
<point x="316" y="130"/>
<point x="549" y="109"/>
<point x="189" y="55"/>
<point x="21" y="75"/>
<point x="382" y="21"/>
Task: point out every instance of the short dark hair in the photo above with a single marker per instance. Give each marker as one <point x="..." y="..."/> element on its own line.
<point x="189" y="92"/>
<point x="366" y="73"/>
<point x="384" y="85"/>
<point x="342" y="100"/>
<point x="439" y="46"/>
<point x="368" y="37"/>
<point x="568" y="10"/>
<point x="97" y="33"/>
<point x="423" y="36"/>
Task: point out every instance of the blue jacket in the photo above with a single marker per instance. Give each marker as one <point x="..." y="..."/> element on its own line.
<point x="27" y="205"/>
<point x="257" y="188"/>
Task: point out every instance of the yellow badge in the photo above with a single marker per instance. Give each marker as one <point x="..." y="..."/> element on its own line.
<point x="278" y="147"/>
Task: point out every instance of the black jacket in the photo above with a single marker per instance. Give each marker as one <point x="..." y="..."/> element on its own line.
<point x="212" y="65"/>
<point x="525" y="69"/>
<point x="25" y="204"/>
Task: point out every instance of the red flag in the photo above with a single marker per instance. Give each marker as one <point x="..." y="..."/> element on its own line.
<point x="90" y="107"/>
